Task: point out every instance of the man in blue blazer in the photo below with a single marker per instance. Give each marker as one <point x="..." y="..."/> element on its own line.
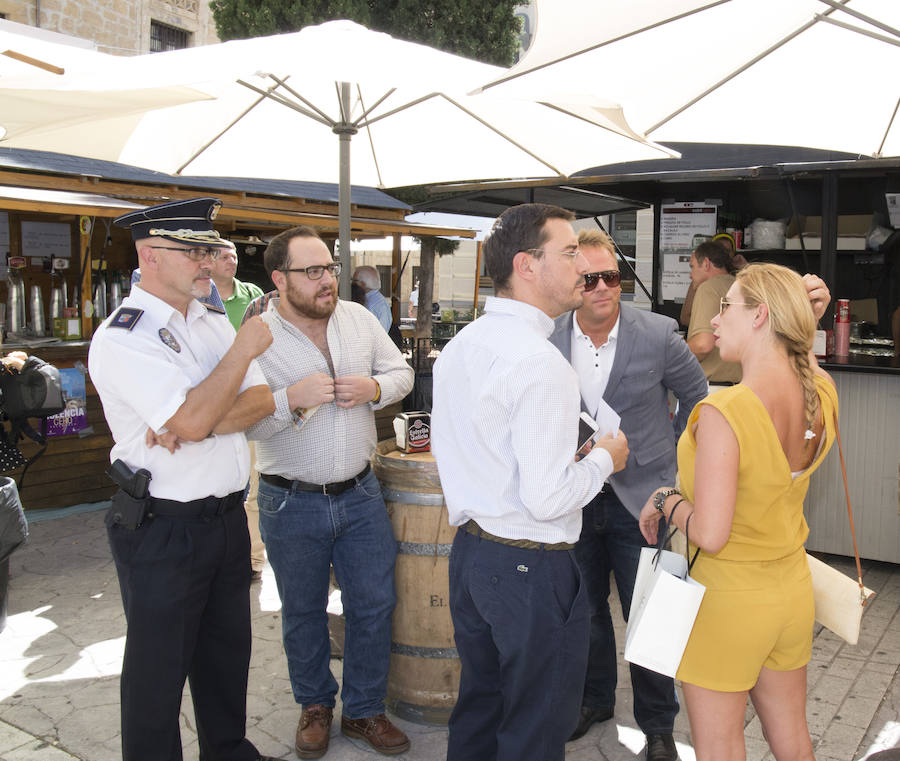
<point x="631" y="359"/>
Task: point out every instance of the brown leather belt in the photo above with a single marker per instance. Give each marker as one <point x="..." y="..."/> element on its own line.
<point x="338" y="487"/>
<point x="525" y="544"/>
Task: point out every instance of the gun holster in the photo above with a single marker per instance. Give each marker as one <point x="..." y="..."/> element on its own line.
<point x="127" y="511"/>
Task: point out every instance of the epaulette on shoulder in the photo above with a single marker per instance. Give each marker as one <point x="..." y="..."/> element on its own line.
<point x="126" y="317"/>
<point x="213" y="308"/>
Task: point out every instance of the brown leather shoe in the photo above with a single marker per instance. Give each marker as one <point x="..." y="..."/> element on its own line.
<point x="313" y="731"/>
<point x="378" y="731"/>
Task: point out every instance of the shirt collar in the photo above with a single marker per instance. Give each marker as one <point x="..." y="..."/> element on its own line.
<point x="613" y="336"/>
<point x="539" y="319"/>
<point x="161" y="310"/>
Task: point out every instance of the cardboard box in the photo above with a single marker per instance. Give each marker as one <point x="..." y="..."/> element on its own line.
<point x="864" y="310"/>
<point x="814" y="243"/>
<point x="848" y="224"/>
<point x="67" y="328"/>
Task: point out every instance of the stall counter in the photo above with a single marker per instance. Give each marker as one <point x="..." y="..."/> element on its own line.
<point x="869" y="393"/>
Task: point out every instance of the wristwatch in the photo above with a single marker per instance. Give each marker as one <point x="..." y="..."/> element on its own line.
<point x="659" y="499"/>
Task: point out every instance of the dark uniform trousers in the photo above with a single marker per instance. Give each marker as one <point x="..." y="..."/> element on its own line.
<point x="185" y="587"/>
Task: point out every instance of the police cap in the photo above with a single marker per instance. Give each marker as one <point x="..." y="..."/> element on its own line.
<point x="188" y="221"/>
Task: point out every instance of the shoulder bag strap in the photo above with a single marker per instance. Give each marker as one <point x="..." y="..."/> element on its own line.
<point x="862" y="587"/>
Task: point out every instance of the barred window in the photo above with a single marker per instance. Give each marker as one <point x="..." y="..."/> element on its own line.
<point x="163" y="38"/>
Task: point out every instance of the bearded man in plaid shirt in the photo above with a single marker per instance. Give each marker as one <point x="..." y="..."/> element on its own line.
<point x="330" y="366"/>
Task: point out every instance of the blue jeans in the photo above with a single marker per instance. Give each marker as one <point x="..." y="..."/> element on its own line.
<point x="520" y="622"/>
<point x="611" y="541"/>
<point x="305" y="534"/>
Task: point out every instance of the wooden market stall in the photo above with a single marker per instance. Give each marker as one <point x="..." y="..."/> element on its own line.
<point x="55" y="223"/>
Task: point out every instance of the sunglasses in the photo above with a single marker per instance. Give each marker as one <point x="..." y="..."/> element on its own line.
<point x="611" y="278"/>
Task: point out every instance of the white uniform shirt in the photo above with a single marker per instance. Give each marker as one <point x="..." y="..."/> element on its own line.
<point x="142" y="381"/>
<point x="593" y="364"/>
<point x="505" y="428"/>
<point x="334" y="443"/>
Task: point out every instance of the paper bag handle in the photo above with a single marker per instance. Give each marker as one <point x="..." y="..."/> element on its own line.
<point x="665" y="536"/>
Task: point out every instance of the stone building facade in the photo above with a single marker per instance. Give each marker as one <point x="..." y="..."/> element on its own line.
<point x="120" y="27"/>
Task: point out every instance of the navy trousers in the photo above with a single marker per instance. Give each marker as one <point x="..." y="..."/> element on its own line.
<point x="521" y="625"/>
<point x="611" y="542"/>
<point x="185" y="586"/>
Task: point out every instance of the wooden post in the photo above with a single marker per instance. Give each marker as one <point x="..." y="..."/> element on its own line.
<point x="85" y="226"/>
<point x="426" y="288"/>
<point x="395" y="280"/>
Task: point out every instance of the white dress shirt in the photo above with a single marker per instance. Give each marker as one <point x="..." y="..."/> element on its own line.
<point x="143" y="376"/>
<point x="593" y="364"/>
<point x="334" y="443"/>
<point x="505" y="426"/>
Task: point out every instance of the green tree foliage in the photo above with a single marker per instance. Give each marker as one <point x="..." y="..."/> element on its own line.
<point x="484" y="30"/>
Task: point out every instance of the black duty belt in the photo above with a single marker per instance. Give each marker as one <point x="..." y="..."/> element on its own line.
<point x="207" y="507"/>
<point x="525" y="544"/>
<point x="338" y="487"/>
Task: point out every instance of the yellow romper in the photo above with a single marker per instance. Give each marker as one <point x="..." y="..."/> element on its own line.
<point x="758" y="606"/>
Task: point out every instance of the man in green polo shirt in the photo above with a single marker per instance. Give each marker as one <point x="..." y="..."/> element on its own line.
<point x="234" y="293"/>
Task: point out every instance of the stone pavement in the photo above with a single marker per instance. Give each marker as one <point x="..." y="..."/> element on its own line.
<point x="62" y="647"/>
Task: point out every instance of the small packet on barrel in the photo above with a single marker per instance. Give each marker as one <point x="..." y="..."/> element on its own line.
<point x="413" y="431"/>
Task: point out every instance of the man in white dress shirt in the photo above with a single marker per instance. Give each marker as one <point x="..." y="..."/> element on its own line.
<point x="330" y="366"/>
<point x="177" y="389"/>
<point x="504" y="427"/>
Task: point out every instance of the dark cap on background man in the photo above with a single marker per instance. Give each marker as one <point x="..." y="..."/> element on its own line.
<point x="187" y="221"/>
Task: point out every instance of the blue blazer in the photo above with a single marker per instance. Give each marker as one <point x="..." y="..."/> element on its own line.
<point x="651" y="360"/>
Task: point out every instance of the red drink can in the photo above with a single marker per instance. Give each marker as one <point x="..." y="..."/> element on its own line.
<point x="842" y="311"/>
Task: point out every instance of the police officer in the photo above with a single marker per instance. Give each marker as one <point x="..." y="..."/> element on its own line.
<point x="178" y="388"/>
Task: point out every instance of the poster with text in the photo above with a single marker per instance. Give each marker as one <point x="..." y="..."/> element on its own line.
<point x="74" y="417"/>
<point x="682" y="227"/>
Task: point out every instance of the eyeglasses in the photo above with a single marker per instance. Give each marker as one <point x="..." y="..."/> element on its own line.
<point x="725" y="303"/>
<point x="539" y="251"/>
<point x="611" y="278"/>
<point x="315" y="271"/>
<point x="197" y="254"/>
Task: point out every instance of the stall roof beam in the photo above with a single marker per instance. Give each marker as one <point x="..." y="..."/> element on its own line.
<point x="62" y="202"/>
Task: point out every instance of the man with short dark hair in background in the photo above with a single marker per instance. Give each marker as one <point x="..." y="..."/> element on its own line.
<point x="711" y="272"/>
<point x="505" y="432"/>
<point x="330" y="366"/>
<point x="630" y="359"/>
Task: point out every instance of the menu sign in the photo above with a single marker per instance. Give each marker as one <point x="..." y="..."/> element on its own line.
<point x="682" y="227"/>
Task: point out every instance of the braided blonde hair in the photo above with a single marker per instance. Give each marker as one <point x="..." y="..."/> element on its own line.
<point x="791" y="320"/>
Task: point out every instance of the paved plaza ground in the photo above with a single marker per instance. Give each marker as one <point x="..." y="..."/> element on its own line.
<point x="61" y="651"/>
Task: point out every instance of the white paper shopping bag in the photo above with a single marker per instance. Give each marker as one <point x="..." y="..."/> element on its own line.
<point x="663" y="608"/>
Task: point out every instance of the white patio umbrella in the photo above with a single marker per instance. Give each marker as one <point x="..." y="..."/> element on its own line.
<point x="813" y="73"/>
<point x="276" y="101"/>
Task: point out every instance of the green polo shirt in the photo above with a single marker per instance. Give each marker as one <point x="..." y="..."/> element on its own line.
<point x="242" y="295"/>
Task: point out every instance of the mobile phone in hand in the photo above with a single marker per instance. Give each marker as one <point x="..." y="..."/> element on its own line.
<point x="587" y="431"/>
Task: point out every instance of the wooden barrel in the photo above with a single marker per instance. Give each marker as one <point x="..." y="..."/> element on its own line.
<point x="423" y="682"/>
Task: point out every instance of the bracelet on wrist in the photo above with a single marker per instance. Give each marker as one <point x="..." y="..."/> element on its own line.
<point x="659" y="499"/>
<point x="377" y="397"/>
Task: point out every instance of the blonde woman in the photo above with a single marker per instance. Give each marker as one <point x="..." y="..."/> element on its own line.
<point x="745" y="460"/>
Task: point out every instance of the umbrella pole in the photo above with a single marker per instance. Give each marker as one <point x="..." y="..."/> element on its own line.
<point x="345" y="131"/>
